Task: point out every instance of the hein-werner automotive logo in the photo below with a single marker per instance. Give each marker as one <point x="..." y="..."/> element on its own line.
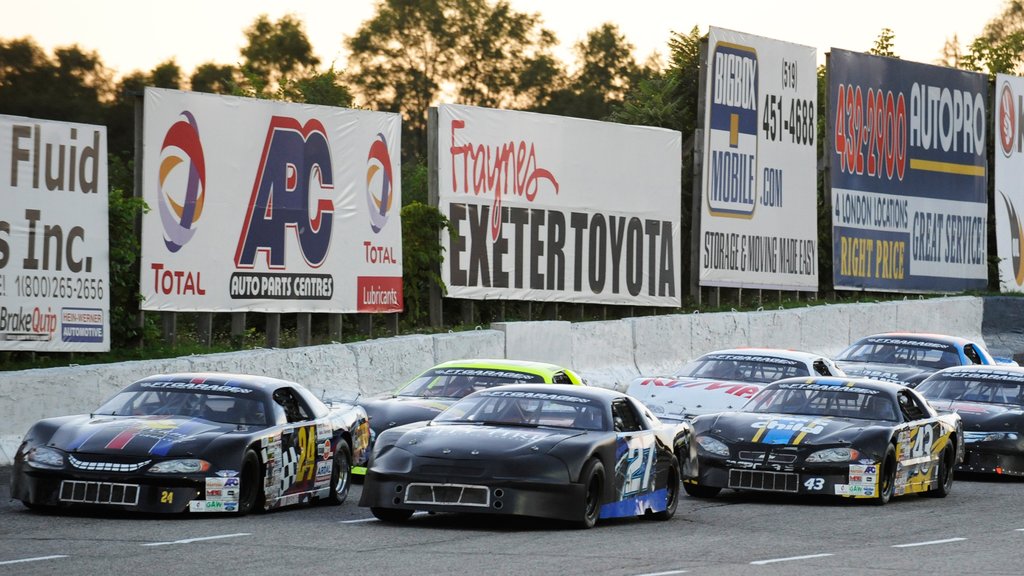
<point x="731" y="189"/>
<point x="182" y="181"/>
<point x="292" y="193"/>
<point x="379" y="182"/>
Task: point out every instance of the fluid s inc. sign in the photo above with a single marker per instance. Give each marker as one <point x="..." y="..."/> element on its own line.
<point x="268" y="206"/>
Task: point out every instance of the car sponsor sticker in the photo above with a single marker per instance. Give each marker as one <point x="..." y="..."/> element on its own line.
<point x="212" y="506"/>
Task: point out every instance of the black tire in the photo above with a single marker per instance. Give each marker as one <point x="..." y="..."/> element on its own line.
<point x="391" y="514"/>
<point x="700" y="491"/>
<point x="592" y="479"/>
<point x="341" y="475"/>
<point x="944" y="474"/>
<point x="887" y="480"/>
<point x="250" y="497"/>
<point x="673" y="493"/>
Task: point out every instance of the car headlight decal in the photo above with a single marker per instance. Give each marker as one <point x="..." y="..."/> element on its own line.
<point x="182" y="466"/>
<point x="43" y="457"/>
<point x="713" y="445"/>
<point x="834" y="455"/>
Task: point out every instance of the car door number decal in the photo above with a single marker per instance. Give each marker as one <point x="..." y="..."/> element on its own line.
<point x="814" y="483"/>
<point x="639" y="461"/>
<point x="167" y="497"/>
<point x="307" y="453"/>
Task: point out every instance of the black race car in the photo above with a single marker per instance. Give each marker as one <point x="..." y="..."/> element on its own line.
<point x="908" y="358"/>
<point x="552" y="451"/>
<point x="194" y="442"/>
<point x="990" y="401"/>
<point x="852" y="438"/>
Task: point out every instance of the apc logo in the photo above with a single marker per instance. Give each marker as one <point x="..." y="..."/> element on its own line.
<point x="1016" y="238"/>
<point x="182" y="181"/>
<point x="294" y="170"/>
<point x="379" y="182"/>
<point x="1007" y="120"/>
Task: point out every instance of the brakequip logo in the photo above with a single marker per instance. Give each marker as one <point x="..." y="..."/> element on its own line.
<point x="182" y="181"/>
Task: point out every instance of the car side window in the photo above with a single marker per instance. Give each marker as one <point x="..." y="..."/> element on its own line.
<point x="561" y="378"/>
<point x="295" y="409"/>
<point x="624" y="417"/>
<point x="909" y="407"/>
<point x="972" y="354"/>
<point x="821" y="368"/>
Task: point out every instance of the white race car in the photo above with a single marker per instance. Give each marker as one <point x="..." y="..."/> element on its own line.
<point x="724" y="380"/>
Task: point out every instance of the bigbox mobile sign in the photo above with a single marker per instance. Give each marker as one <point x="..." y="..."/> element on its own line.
<point x="54" y="254"/>
<point x="1009" y="167"/>
<point x="269" y="207"/>
<point x="758" y="225"/>
<point x="558" y="209"/>
<point x="908" y="165"/>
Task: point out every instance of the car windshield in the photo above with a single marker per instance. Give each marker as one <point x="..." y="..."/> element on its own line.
<point x="992" y="388"/>
<point x="214" y="407"/>
<point x="908" y="352"/>
<point x="526" y="409"/>
<point x="824" y="400"/>
<point x="742" y="368"/>
<point x="459" y="382"/>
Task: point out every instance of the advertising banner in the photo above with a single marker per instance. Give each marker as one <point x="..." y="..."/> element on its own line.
<point x="54" y="254"/>
<point x="267" y="206"/>
<point x="908" y="165"/>
<point x="759" y="227"/>
<point x="557" y="209"/>
<point x="1009" y="197"/>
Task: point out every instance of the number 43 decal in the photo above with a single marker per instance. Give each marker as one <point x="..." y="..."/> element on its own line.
<point x="814" y="483"/>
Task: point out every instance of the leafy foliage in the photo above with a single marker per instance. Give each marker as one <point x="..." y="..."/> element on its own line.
<point x="422" y="256"/>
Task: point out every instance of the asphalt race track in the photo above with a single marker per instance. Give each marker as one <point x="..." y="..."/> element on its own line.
<point x="978" y="529"/>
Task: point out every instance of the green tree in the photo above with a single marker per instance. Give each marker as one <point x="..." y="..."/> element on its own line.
<point x="213" y="78"/>
<point x="885" y="44"/>
<point x="71" y="86"/>
<point x="413" y="52"/>
<point x="277" y="52"/>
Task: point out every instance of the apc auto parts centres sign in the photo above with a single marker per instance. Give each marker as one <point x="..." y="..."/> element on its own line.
<point x="558" y="209"/>
<point x="54" y="254"/>
<point x="268" y="206"/>
<point x="908" y="165"/>
<point x="759" y="207"/>
<point x="1009" y="197"/>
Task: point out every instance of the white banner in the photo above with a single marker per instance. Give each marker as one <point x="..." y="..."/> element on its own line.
<point x="267" y="206"/>
<point x="758" y="227"/>
<point x="54" y="254"/>
<point x="557" y="209"/>
<point x="1009" y="155"/>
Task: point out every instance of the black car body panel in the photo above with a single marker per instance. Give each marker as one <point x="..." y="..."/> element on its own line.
<point x="990" y="402"/>
<point x="108" y="460"/>
<point x="529" y="470"/>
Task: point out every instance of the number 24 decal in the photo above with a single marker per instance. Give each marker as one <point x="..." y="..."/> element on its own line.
<point x="814" y="483"/>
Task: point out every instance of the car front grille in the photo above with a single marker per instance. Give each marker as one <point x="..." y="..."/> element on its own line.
<point x="773" y="457"/>
<point x="451" y="494"/>
<point x="107" y="466"/>
<point x="763" y="480"/>
<point x="99" y="493"/>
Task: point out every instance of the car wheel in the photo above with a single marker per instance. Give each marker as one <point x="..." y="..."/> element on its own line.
<point x="250" y="498"/>
<point x="672" y="497"/>
<point x="341" y="475"/>
<point x="700" y="491"/>
<point x="945" y="474"/>
<point x="887" y="481"/>
<point x="593" y="483"/>
<point x="391" y="514"/>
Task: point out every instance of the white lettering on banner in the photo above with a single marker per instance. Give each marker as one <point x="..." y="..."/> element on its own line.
<point x="735" y="81"/>
<point x="950" y="120"/>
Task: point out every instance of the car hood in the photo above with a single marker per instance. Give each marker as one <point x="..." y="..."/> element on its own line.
<point x="898" y="373"/>
<point x="676" y="398"/>
<point x="143" y="435"/>
<point x="983" y="416"/>
<point x="394" y="411"/>
<point x="483" y="442"/>
<point x="786" y="428"/>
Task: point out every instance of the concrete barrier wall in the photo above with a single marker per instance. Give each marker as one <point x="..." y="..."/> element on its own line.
<point x="608" y="353"/>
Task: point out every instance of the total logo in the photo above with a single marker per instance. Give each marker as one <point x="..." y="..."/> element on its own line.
<point x="181" y="181"/>
<point x="379" y="183"/>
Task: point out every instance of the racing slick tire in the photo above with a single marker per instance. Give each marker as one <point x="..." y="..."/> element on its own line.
<point x="390" y="514"/>
<point x="698" y="491"/>
<point x="672" y="498"/>
<point x="250" y="498"/>
<point x="887" y="481"/>
<point x="592" y="478"/>
<point x="945" y="474"/>
<point x="341" y="476"/>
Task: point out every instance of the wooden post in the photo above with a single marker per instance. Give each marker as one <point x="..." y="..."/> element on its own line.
<point x="273" y="330"/>
<point x="204" y="328"/>
<point x="140" y="316"/>
<point x="237" y="329"/>
<point x="366" y="324"/>
<point x="170" y="328"/>
<point x="303" y="327"/>
<point x="334" y="327"/>
<point x="435" y="308"/>
<point x="394" y="324"/>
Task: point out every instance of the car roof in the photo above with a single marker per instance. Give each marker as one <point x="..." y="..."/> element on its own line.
<point x="1009" y="373"/>
<point x="924" y="336"/>
<point x="589" y="392"/>
<point x="798" y="355"/>
<point x="250" y="381"/>
<point x="867" y="383"/>
<point x="529" y="366"/>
